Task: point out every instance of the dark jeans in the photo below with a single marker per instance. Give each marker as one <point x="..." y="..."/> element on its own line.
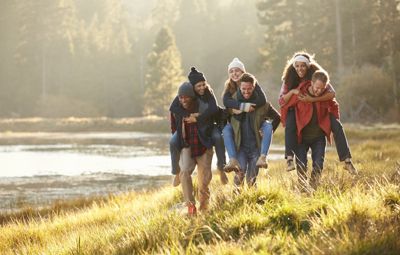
<point x="317" y="147"/>
<point x="247" y="159"/>
<point x="342" y="146"/>
<point x="290" y="133"/>
<point x="175" y="151"/>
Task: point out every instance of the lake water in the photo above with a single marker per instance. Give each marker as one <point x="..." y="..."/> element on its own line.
<point x="38" y="168"/>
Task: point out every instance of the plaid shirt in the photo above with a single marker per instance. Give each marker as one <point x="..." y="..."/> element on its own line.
<point x="190" y="136"/>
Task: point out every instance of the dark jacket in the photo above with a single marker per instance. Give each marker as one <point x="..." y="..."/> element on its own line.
<point x="260" y="99"/>
<point x="205" y="121"/>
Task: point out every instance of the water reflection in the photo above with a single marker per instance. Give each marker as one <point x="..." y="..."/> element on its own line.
<point x="64" y="165"/>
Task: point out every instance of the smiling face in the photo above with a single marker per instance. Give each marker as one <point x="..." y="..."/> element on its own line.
<point x="246" y="88"/>
<point x="301" y="69"/>
<point x="318" y="87"/>
<point x="186" y="101"/>
<point x="235" y="73"/>
<point x="200" y="87"/>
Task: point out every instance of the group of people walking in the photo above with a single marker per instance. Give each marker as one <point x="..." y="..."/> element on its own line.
<point x="245" y="126"/>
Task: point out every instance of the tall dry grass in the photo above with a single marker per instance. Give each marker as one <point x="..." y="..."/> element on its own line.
<point x="345" y="215"/>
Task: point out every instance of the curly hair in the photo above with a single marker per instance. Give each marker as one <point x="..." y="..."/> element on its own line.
<point x="290" y="76"/>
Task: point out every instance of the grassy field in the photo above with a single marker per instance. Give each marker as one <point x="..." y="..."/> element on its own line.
<point x="346" y="215"/>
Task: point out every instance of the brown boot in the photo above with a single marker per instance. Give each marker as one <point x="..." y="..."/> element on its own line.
<point x="233" y="165"/>
<point x="348" y="165"/>
<point x="176" y="181"/>
<point x="262" y="161"/>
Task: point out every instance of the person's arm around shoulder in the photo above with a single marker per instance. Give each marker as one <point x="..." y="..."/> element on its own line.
<point x="285" y="94"/>
<point x="328" y="95"/>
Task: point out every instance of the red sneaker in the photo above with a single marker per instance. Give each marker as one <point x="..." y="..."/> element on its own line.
<point x="192" y="211"/>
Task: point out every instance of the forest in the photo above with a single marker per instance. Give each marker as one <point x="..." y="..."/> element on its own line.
<point x="120" y="58"/>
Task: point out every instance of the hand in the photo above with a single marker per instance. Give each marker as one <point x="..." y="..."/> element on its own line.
<point x="261" y="132"/>
<point x="236" y="111"/>
<point x="190" y="119"/>
<point x="195" y="115"/>
<point x="306" y="98"/>
<point x="295" y="91"/>
<point x="246" y="107"/>
<point x="252" y="108"/>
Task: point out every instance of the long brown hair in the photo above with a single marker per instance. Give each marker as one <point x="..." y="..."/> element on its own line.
<point x="230" y="86"/>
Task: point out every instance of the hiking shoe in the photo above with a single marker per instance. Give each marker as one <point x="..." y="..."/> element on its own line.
<point x="262" y="161"/>
<point x="290" y="165"/>
<point x="348" y="165"/>
<point x="233" y="165"/>
<point x="222" y="176"/>
<point x="176" y="181"/>
<point x="192" y="211"/>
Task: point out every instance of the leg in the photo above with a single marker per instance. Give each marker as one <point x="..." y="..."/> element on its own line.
<point x="342" y="146"/>
<point x="219" y="147"/>
<point x="290" y="133"/>
<point x="229" y="142"/>
<point x="318" y="156"/>
<point x="187" y="165"/>
<point x="290" y="138"/>
<point x="175" y="153"/>
<point x="204" y="177"/>
<point x="242" y="157"/>
<point x="252" y="168"/>
<point x="230" y="146"/>
<point x="301" y="164"/>
<point x="266" y="129"/>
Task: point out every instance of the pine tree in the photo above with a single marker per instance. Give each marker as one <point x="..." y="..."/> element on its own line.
<point x="164" y="74"/>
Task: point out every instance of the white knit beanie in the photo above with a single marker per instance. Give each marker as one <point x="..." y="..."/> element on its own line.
<point x="236" y="63"/>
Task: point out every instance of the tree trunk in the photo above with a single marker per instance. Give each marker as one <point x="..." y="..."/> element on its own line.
<point x="339" y="44"/>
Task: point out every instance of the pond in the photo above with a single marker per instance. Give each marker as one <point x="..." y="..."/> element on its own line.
<point x="38" y="168"/>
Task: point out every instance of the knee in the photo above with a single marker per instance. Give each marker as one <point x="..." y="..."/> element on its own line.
<point x="184" y="174"/>
<point x="335" y="123"/>
<point x="173" y="142"/>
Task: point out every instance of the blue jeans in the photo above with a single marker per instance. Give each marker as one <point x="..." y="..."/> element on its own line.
<point x="342" y="146"/>
<point x="218" y="142"/>
<point x="247" y="159"/>
<point x="317" y="154"/>
<point x="229" y="140"/>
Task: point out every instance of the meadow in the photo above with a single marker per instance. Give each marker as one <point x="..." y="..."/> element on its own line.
<point x="345" y="215"/>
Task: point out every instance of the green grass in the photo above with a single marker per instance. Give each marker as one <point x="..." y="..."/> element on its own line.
<point x="346" y="215"/>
